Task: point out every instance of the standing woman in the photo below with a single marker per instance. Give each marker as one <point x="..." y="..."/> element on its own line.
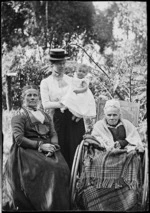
<point x="52" y="89"/>
<point x="36" y="175"/>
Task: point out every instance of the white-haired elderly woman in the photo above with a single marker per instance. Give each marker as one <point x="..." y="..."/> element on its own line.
<point x="115" y="132"/>
<point x="110" y="178"/>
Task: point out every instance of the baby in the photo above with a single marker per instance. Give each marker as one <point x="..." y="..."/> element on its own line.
<point x="79" y="98"/>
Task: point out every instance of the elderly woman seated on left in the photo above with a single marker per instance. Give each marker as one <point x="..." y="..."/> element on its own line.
<point x="36" y="175"/>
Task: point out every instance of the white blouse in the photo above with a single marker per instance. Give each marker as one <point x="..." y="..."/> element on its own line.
<point x="53" y="88"/>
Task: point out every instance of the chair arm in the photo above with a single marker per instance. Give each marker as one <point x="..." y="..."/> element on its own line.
<point x="94" y="143"/>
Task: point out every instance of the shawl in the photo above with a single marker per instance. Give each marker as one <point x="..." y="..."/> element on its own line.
<point x="104" y="136"/>
<point x="111" y="169"/>
<point x="109" y="180"/>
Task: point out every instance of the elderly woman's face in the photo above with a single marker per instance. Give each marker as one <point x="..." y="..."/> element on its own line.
<point x="112" y="115"/>
<point x="58" y="68"/>
<point x="31" y="98"/>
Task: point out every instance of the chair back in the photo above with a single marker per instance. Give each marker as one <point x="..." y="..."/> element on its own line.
<point x="129" y="111"/>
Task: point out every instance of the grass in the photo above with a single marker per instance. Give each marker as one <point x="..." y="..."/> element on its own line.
<point x="7" y="132"/>
<point x="7" y="141"/>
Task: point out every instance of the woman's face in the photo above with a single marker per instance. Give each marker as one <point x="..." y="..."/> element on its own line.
<point x="31" y="98"/>
<point x="58" y="68"/>
<point x="112" y="115"/>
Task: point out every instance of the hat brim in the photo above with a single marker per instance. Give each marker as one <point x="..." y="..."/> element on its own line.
<point x="58" y="59"/>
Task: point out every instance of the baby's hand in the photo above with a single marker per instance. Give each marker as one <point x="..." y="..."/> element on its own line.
<point x="117" y="145"/>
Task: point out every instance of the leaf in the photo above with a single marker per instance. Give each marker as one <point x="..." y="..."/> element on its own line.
<point x="139" y="78"/>
<point x="140" y="97"/>
<point x="116" y="82"/>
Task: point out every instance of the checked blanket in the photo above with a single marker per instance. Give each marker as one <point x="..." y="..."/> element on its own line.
<point x="110" y="180"/>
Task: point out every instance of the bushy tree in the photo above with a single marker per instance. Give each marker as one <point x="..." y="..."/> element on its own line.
<point x="57" y="23"/>
<point x="12" y="25"/>
<point x="129" y="58"/>
<point x="103" y="26"/>
<point x="47" y="22"/>
<point x="30" y="65"/>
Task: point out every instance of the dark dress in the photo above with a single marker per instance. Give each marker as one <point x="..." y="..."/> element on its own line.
<point x="70" y="133"/>
<point x="119" y="134"/>
<point x="32" y="180"/>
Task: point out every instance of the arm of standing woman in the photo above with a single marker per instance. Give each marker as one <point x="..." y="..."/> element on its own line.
<point x="47" y="104"/>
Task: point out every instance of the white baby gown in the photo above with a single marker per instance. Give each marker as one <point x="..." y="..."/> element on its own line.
<point x="82" y="104"/>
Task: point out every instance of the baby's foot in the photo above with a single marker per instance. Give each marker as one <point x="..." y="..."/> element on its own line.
<point x="73" y="118"/>
<point x="77" y="119"/>
<point x="63" y="109"/>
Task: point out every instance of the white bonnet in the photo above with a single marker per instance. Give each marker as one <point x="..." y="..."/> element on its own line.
<point x="112" y="103"/>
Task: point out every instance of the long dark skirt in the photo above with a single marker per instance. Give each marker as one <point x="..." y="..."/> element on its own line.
<point x="70" y="133"/>
<point x="33" y="181"/>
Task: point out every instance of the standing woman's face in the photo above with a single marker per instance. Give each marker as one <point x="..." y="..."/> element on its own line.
<point x="58" y="68"/>
<point x="112" y="115"/>
<point x="31" y="98"/>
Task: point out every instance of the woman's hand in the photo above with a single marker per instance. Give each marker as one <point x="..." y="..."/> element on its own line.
<point x="46" y="147"/>
<point x="117" y="145"/>
<point x="139" y="148"/>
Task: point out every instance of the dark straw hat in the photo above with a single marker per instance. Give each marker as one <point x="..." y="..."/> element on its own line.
<point x="58" y="55"/>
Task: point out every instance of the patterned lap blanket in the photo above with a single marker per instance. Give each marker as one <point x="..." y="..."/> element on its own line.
<point x="109" y="180"/>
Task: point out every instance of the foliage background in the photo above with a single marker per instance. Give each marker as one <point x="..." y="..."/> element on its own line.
<point x="112" y="42"/>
